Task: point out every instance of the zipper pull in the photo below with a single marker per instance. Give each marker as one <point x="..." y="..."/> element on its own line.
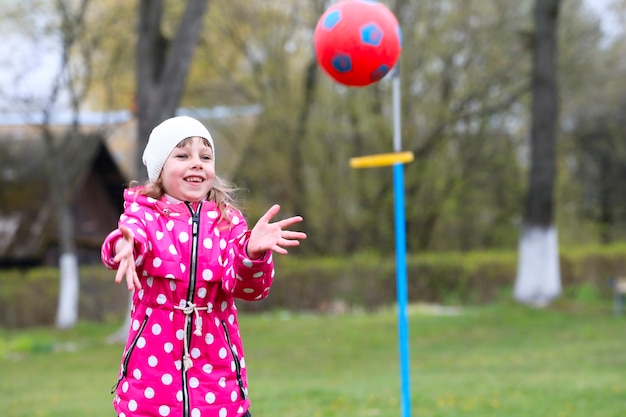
<point x="114" y="387"/>
<point x="195" y="217"/>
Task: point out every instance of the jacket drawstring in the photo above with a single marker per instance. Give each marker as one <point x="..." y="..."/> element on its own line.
<point x="189" y="309"/>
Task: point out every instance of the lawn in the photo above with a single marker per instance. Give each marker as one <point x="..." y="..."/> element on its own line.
<point x="501" y="360"/>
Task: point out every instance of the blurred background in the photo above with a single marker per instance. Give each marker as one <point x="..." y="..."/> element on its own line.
<point x="515" y="112"/>
<point x="84" y="82"/>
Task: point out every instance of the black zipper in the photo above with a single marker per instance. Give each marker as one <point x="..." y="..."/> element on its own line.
<point x="242" y="389"/>
<point x="128" y="353"/>
<point x="195" y="227"/>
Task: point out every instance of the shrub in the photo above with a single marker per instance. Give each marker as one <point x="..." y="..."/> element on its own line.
<point x="328" y="284"/>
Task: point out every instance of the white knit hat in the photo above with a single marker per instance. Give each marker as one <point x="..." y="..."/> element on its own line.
<point x="164" y="139"/>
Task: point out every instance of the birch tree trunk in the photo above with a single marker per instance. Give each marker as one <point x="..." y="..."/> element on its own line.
<point x="75" y="84"/>
<point x="538" y="279"/>
<point x="67" y="308"/>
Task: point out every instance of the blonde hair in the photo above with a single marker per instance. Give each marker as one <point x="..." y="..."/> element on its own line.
<point x="222" y="192"/>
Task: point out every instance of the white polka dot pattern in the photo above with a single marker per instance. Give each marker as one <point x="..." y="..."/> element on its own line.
<point x="152" y="365"/>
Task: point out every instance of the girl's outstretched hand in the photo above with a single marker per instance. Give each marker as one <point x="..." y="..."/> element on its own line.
<point x="273" y="236"/>
<point x="124" y="256"/>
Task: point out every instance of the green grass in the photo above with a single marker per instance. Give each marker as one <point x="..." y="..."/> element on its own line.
<point x="501" y="360"/>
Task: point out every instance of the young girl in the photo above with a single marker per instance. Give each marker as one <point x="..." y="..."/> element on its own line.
<point x="186" y="251"/>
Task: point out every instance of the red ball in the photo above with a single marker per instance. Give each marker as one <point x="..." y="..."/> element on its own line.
<point x="357" y="42"/>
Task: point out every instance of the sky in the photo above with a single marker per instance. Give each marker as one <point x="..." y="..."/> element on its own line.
<point x="610" y="23"/>
<point x="26" y="68"/>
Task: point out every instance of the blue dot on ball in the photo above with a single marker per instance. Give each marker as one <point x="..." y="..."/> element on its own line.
<point x="331" y="20"/>
<point x="342" y="63"/>
<point x="371" y="34"/>
<point x="379" y="72"/>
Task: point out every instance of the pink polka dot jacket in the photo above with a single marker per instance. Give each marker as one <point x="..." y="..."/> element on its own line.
<point x="184" y="355"/>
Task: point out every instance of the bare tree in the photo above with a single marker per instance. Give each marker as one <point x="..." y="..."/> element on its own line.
<point x="538" y="277"/>
<point x="59" y="29"/>
<point x="163" y="64"/>
<point x="72" y="79"/>
<point x="162" y="69"/>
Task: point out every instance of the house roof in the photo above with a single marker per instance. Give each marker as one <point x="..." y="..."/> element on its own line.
<point x="27" y="222"/>
<point x="106" y="146"/>
<point x="232" y="127"/>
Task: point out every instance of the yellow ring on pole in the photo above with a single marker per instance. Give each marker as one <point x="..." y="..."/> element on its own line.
<point x="381" y="159"/>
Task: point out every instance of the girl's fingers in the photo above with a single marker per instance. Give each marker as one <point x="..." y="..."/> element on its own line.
<point x="284" y="223"/>
<point x="269" y="214"/>
<point x="130" y="280"/>
<point x="136" y="283"/>
<point x="288" y="234"/>
<point x="119" y="274"/>
<point x="126" y="269"/>
<point x="288" y="242"/>
<point x="279" y="250"/>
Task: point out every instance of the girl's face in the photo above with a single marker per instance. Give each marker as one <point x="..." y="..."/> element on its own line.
<point x="189" y="170"/>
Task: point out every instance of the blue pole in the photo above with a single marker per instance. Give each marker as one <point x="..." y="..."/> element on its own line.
<point x="401" y="287"/>
<point x="401" y="273"/>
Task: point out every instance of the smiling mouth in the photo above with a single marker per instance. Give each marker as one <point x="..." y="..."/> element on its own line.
<point x="194" y="179"/>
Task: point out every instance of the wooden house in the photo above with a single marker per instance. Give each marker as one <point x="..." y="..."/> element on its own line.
<point x="99" y="165"/>
<point x="28" y="225"/>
